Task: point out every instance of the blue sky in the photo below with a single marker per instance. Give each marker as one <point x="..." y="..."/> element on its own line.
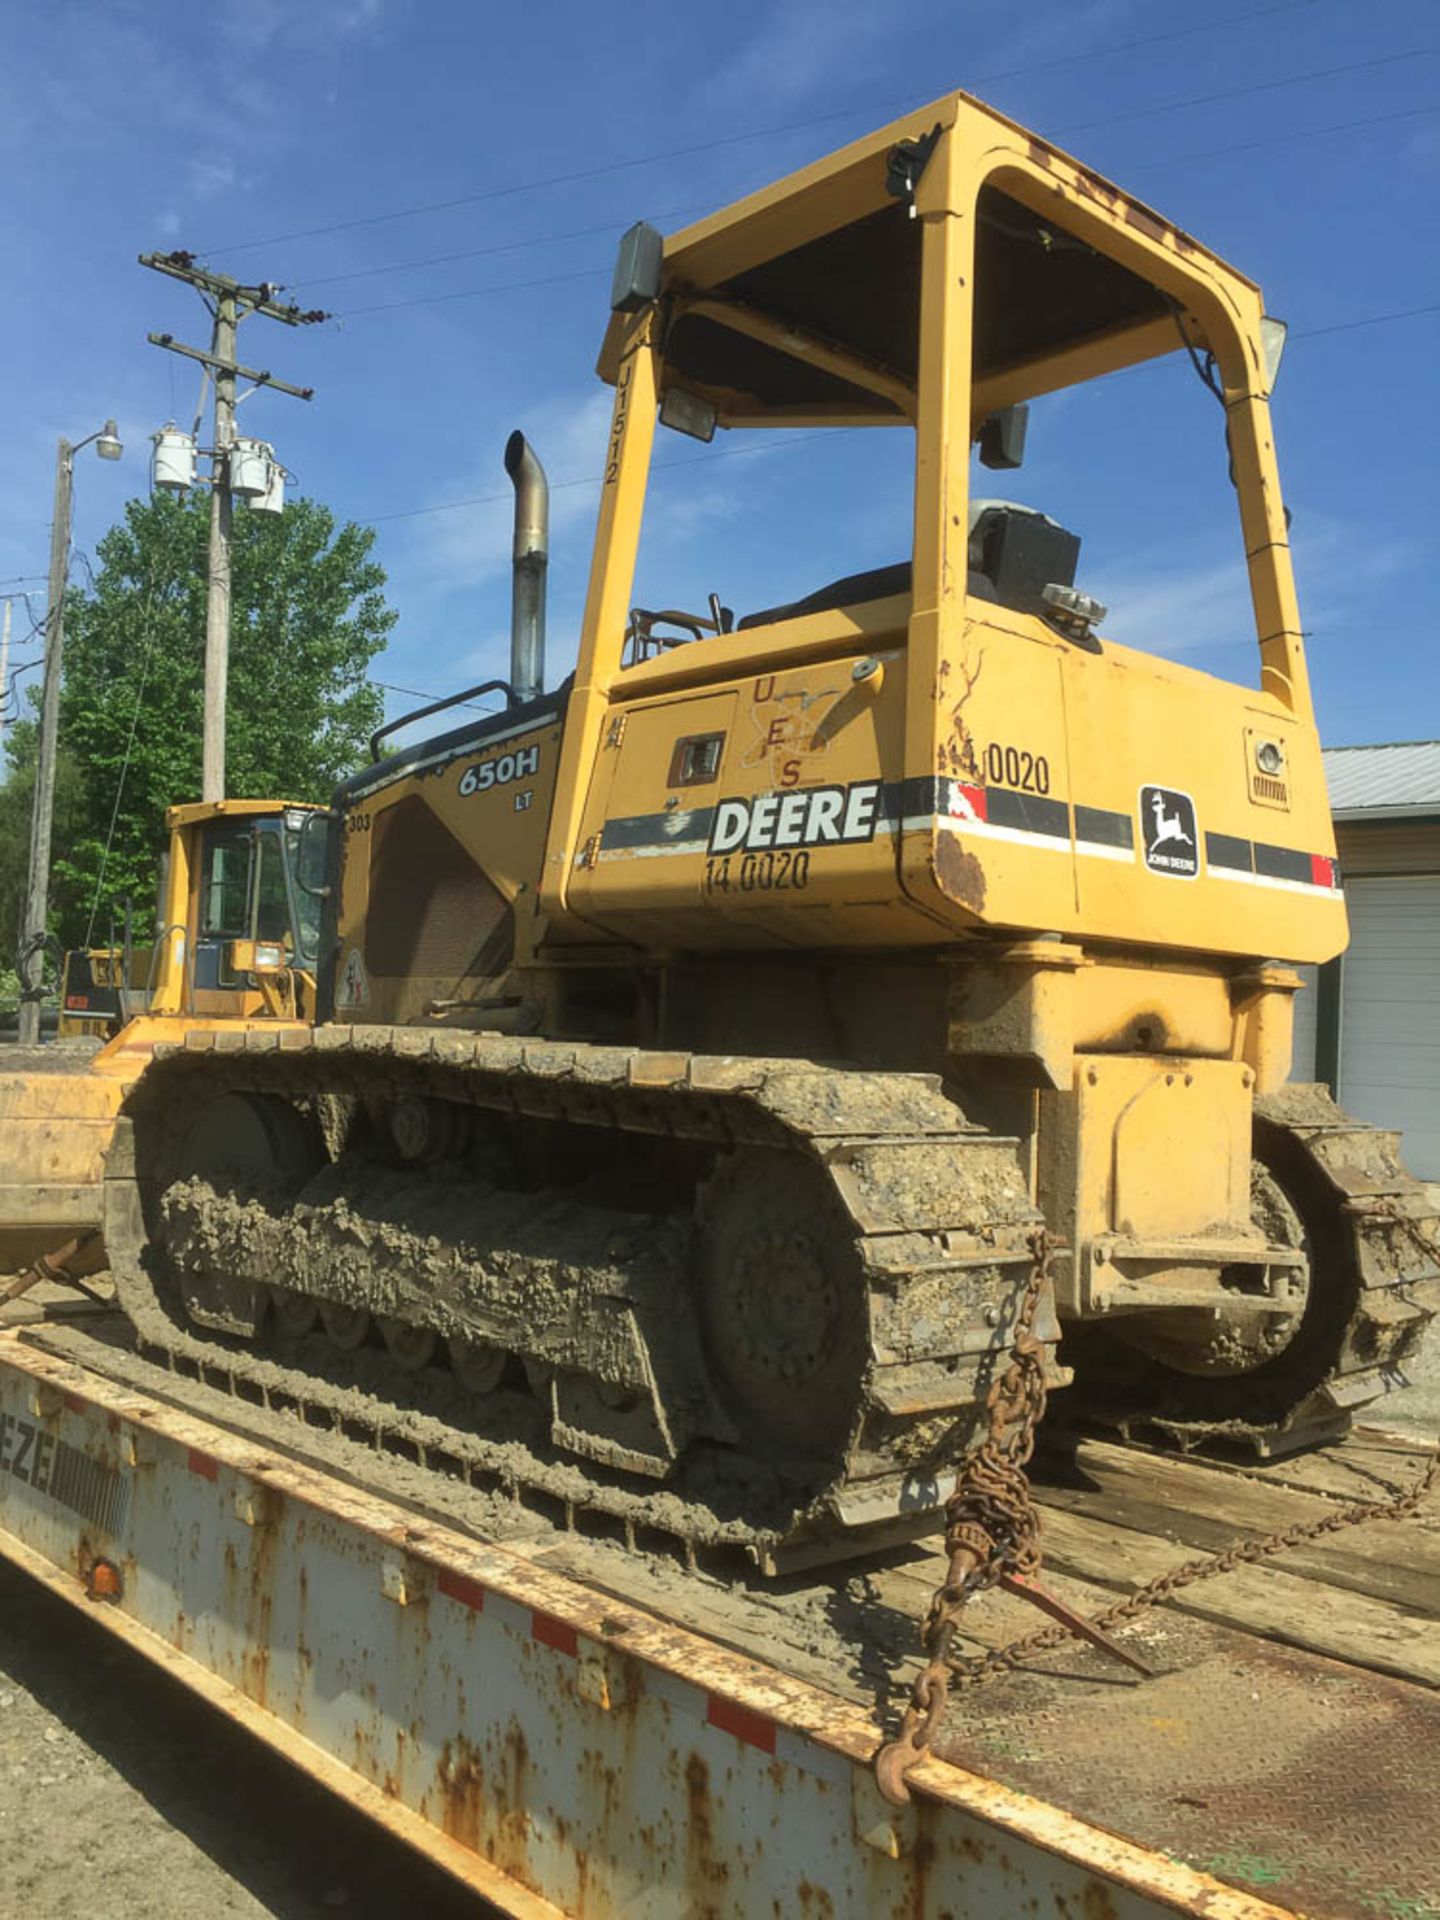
<point x="1296" y="137"/>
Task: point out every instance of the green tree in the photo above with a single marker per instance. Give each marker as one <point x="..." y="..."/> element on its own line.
<point x="308" y="615"/>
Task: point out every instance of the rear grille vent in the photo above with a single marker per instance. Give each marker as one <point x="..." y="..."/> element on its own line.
<point x="433" y="912"/>
<point x="1274" y="791"/>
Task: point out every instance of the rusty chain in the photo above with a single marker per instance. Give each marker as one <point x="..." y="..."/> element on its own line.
<point x="991" y="1527"/>
<point x="1400" y="1506"/>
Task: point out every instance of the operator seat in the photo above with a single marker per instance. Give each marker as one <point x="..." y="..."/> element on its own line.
<point x="1014" y="552"/>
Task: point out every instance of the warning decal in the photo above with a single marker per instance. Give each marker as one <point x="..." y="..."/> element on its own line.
<point x="354" y="988"/>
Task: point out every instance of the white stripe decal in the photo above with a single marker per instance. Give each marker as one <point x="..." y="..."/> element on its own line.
<point x="471" y="752"/>
<point x="986" y="830"/>
<point x="1268" y="880"/>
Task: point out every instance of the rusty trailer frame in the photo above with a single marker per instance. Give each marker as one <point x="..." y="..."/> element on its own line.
<point x="553" y="1749"/>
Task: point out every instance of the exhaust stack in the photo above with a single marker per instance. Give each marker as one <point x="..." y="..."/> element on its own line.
<point x="531" y="557"/>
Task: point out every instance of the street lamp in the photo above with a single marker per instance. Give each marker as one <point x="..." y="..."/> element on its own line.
<point x="37" y="893"/>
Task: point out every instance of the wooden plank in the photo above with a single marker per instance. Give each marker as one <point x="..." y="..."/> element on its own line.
<point x="1173" y="1500"/>
<point x="1264" y="1600"/>
<point x="1366" y="1465"/>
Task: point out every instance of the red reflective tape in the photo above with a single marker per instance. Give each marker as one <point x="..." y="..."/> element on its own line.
<point x="551" y="1632"/>
<point x="77" y="1403"/>
<point x="203" y="1464"/>
<point x="754" y="1728"/>
<point x="469" y="1593"/>
<point x="969" y="802"/>
<point x="1322" y="870"/>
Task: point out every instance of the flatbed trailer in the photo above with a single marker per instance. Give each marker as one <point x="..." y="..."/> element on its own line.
<point x="571" y="1725"/>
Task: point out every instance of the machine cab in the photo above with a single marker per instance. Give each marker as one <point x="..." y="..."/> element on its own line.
<point x="950" y="744"/>
<point x="242" y="909"/>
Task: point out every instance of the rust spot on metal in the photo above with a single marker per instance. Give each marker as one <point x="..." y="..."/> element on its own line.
<point x="462" y="1792"/>
<point x="484" y="1803"/>
<point x="815" y="1899"/>
<point x="1144" y="221"/>
<point x="959" y="874"/>
<point x="1096" y="1904"/>
<point x="263" y="1532"/>
<point x="1040" y="155"/>
<point x="702" y="1867"/>
<point x="203" y="1464"/>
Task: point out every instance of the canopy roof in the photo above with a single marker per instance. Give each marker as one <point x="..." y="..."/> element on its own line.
<point x="804" y="299"/>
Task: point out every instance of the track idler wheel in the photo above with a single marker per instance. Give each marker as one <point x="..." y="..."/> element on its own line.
<point x="348" y="1327"/>
<point x="409" y="1346"/>
<point x="295" y="1313"/>
<point x="782" y="1303"/>
<point x="476" y="1364"/>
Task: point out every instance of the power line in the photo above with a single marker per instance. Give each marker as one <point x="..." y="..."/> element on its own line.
<point x="507" y="246"/>
<point x="1374" y="320"/>
<point x="593" y="479"/>
<point x="833" y="433"/>
<point x="1283" y="139"/>
<point x="1240" y="93"/>
<point x="473" y="293"/>
<point x="593" y="273"/>
<point x="679" y="213"/>
<point x="414" y="693"/>
<point x="758" y="133"/>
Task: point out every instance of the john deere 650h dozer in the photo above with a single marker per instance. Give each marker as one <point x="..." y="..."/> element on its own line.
<point x="708" y="1037"/>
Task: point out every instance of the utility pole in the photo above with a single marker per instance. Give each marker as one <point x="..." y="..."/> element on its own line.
<point x="229" y="302"/>
<point x="4" y="664"/>
<point x="37" y="890"/>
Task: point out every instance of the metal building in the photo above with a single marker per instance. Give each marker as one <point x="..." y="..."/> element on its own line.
<point x="1370" y="1024"/>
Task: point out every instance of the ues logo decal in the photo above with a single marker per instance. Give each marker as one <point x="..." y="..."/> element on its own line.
<point x="1168" y="832"/>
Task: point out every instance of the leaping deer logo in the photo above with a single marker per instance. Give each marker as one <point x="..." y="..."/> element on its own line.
<point x="1167" y="826"/>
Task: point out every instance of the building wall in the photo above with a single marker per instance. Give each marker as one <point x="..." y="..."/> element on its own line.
<point x="1369" y="1024"/>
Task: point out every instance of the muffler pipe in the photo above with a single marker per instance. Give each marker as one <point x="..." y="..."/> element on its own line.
<point x="530" y="559"/>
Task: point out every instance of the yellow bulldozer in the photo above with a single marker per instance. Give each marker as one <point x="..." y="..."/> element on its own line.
<point x="236" y="943"/>
<point x="704" y="1044"/>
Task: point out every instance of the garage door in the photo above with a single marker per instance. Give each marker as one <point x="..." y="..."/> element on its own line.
<point x="1302" y="1049"/>
<point x="1390" y="1013"/>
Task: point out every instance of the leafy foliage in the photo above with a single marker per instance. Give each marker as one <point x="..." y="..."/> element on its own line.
<point x="308" y="614"/>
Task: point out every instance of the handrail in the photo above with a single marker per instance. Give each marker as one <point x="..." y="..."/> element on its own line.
<point x="512" y="699"/>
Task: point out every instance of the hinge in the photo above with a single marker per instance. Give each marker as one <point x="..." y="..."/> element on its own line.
<point x="589" y="854"/>
<point x="617" y="730"/>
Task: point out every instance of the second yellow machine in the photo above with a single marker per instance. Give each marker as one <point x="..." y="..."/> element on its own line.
<point x="708" y="1038"/>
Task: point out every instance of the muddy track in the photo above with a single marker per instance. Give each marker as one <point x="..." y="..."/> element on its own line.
<point x="930" y="1214"/>
<point x="1375" y="1254"/>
